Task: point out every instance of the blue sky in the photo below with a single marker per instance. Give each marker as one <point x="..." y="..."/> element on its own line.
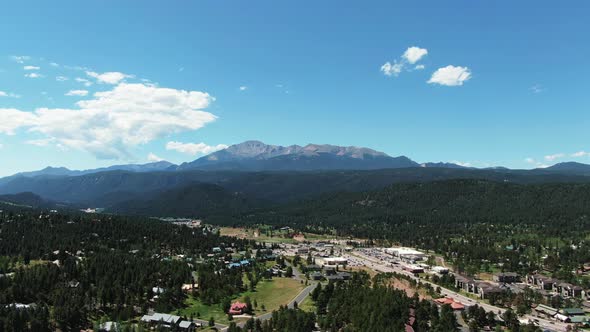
<point x="484" y="82"/>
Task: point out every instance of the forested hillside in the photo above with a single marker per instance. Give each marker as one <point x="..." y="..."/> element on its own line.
<point x="107" y="189"/>
<point x="442" y="204"/>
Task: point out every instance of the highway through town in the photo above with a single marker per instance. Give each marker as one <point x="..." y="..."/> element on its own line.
<point x="380" y="266"/>
<point x="297" y="275"/>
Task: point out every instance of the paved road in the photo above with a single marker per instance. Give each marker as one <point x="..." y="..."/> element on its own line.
<point x="380" y="266"/>
<point x="297" y="275"/>
<point x="220" y="327"/>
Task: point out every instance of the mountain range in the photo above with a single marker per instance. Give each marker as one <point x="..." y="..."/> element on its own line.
<point x="251" y="174"/>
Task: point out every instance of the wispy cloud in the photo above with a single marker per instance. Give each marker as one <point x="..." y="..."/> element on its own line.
<point x="464" y="164"/>
<point x="243" y="88"/>
<point x="412" y="55"/>
<point x="112" y="77"/>
<point x="9" y="94"/>
<point x="580" y="154"/>
<point x="31" y="68"/>
<point x="80" y="93"/>
<point x="61" y="78"/>
<point x="194" y="148"/>
<point x="553" y="157"/>
<point x="20" y="58"/>
<point x="83" y="81"/>
<point x="537" y="88"/>
<point x="535" y="163"/>
<point x="392" y="69"/>
<point x="153" y="158"/>
<point x="33" y="75"/>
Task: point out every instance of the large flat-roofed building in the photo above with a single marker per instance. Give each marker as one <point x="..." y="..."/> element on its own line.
<point x="335" y="261"/>
<point x="406" y="253"/>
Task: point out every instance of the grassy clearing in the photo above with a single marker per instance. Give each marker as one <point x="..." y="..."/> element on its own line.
<point x="273" y="293"/>
<point x="197" y="309"/>
<point x="308" y="305"/>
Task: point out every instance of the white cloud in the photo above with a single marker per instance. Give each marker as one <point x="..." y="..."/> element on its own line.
<point x="464" y="164"/>
<point x="12" y="119"/>
<point x="113" y="121"/>
<point x="411" y="56"/>
<point x="8" y="94"/>
<point x="20" y="58"/>
<point x="81" y="93"/>
<point x="153" y="158"/>
<point x="243" y="88"/>
<point x="535" y="163"/>
<point x="61" y="78"/>
<point x="414" y="54"/>
<point x="40" y="142"/>
<point x="31" y="68"/>
<point x="53" y="64"/>
<point x="194" y="148"/>
<point x="390" y="69"/>
<point x="580" y="154"/>
<point x="112" y="77"/>
<point x="553" y="157"/>
<point x="33" y="75"/>
<point x="450" y="76"/>
<point x="83" y="81"/>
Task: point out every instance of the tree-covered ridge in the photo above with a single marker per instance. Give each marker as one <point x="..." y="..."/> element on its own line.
<point x="474" y="223"/>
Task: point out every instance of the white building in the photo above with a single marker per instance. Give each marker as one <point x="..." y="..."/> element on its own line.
<point x="406" y="253"/>
<point x="335" y="261"/>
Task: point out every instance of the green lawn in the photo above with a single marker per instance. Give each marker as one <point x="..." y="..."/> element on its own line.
<point x="308" y="305"/>
<point x="194" y="307"/>
<point x="272" y="293"/>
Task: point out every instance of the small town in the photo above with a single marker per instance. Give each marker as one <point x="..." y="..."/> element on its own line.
<point x="294" y="166"/>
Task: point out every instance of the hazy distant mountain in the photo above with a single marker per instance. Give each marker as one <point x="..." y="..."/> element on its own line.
<point x="257" y="156"/>
<point x="570" y="167"/>
<point x="253" y="172"/>
<point x="62" y="171"/>
<point x="442" y="165"/>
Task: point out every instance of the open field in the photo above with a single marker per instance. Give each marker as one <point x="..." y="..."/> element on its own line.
<point x="308" y="305"/>
<point x="261" y="235"/>
<point x="272" y="294"/>
<point x="196" y="309"/>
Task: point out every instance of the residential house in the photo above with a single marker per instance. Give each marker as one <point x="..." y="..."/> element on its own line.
<point x="161" y="319"/>
<point x="237" y="308"/>
<point x="506" y="277"/>
<point x="486" y="290"/>
<point x="568" y="290"/>
<point x="186" y="325"/>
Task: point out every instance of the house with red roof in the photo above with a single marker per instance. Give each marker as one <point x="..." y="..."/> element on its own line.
<point x="450" y="301"/>
<point x="237" y="308"/>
